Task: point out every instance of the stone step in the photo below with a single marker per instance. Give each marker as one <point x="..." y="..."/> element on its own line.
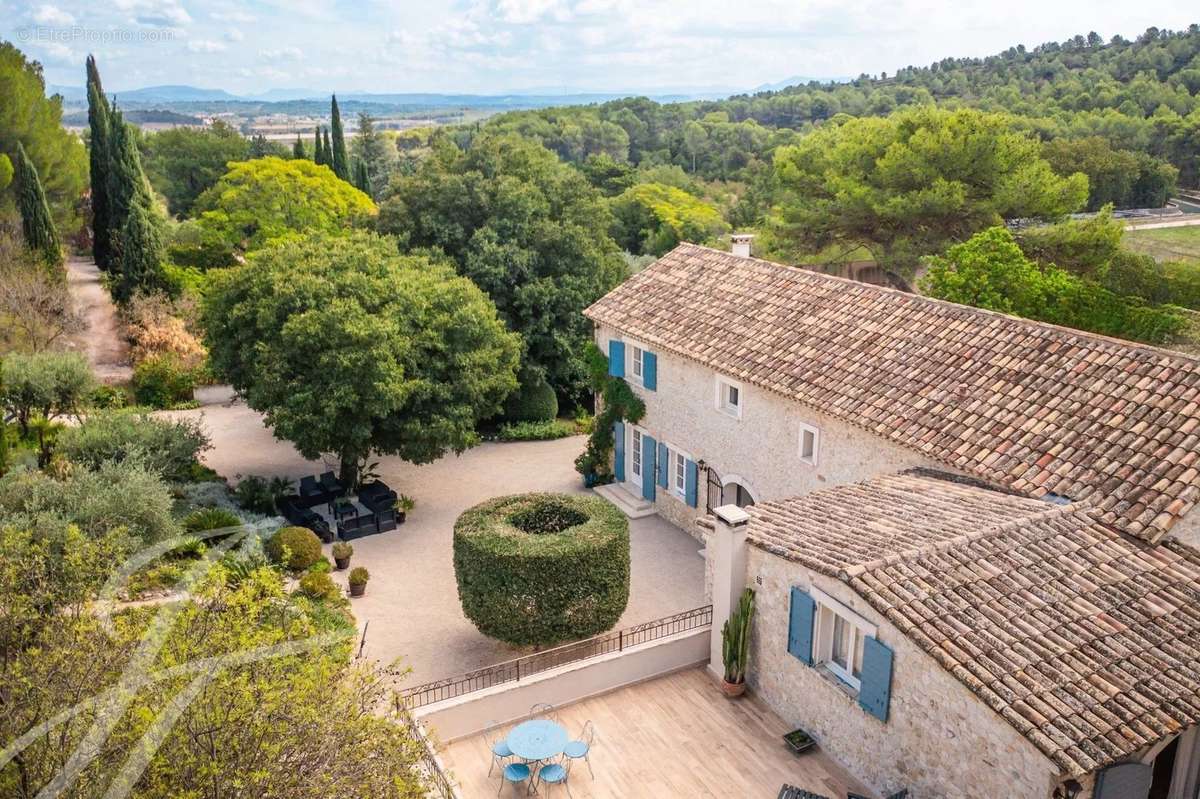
<point x="634" y="507"/>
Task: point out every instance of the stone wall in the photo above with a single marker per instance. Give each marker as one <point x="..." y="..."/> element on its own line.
<point x="760" y="450"/>
<point x="940" y="740"/>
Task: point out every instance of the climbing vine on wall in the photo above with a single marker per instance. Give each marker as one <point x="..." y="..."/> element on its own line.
<point x="617" y="403"/>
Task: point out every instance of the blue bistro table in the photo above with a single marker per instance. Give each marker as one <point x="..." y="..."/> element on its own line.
<point x="539" y="739"/>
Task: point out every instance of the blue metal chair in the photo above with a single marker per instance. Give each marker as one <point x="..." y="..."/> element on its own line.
<point x="554" y="774"/>
<point x="515" y="773"/>
<point x="499" y="746"/>
<point x="582" y="748"/>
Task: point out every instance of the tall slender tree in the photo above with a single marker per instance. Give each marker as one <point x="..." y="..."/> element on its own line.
<point x="36" y="224"/>
<point x="318" y="148"/>
<point x="362" y="180"/>
<point x="298" y="148"/>
<point x="341" y="161"/>
<point x="98" y="158"/>
<point x="140" y="254"/>
<point x="328" y="151"/>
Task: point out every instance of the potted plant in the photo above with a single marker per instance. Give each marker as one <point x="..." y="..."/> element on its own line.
<point x="358" y="581"/>
<point x="735" y="645"/>
<point x="403" y="505"/>
<point x="341" y="555"/>
<point x="799" y="741"/>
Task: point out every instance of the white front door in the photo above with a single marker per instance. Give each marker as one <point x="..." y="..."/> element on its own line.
<point x="635" y="456"/>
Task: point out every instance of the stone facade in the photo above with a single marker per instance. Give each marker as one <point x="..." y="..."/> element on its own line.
<point x="939" y="740"/>
<point x="761" y="450"/>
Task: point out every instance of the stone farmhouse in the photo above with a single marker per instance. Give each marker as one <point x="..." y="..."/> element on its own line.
<point x="969" y="533"/>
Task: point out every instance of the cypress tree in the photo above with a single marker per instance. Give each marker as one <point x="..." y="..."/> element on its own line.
<point x="98" y="160"/>
<point x="298" y="148"/>
<point x="341" y="163"/>
<point x="362" y="181"/>
<point x="36" y="224"/>
<point x="317" y="155"/>
<point x="140" y="251"/>
<point x="328" y="153"/>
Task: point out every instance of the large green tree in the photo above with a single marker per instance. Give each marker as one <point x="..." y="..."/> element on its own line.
<point x="357" y="349"/>
<point x="339" y="158"/>
<point x="907" y="185"/>
<point x="528" y="230"/>
<point x="989" y="270"/>
<point x="653" y="218"/>
<point x="264" y="199"/>
<point x="183" y="162"/>
<point x="28" y="116"/>
<point x="38" y="228"/>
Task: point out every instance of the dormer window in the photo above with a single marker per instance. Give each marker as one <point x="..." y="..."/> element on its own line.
<point x="729" y="397"/>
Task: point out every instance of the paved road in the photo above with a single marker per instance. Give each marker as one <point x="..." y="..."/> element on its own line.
<point x="100" y="340"/>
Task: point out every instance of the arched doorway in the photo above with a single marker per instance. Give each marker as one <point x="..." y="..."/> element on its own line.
<point x="730" y="490"/>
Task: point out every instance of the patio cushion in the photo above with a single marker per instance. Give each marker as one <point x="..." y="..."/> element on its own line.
<point x="500" y="749"/>
<point x="576" y="749"/>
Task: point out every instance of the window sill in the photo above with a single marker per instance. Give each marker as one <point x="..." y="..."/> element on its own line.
<point x="737" y="417"/>
<point x="827" y="674"/>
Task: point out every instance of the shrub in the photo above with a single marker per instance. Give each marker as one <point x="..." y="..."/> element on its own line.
<point x="48" y="384"/>
<point x="299" y="544"/>
<point x="169" y="447"/>
<point x="536" y="431"/>
<point x="163" y="381"/>
<point x="106" y="397"/>
<point x="257" y="494"/>
<point x="204" y="519"/>
<point x="359" y="576"/>
<point x="533" y="401"/>
<point x="319" y="585"/>
<point x="155" y="328"/>
<point x="542" y="568"/>
<point x="342" y="550"/>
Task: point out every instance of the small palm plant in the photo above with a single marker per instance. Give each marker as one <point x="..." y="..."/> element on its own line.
<point x="735" y="644"/>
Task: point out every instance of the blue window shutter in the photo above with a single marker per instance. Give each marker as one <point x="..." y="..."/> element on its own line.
<point x="648" y="449"/>
<point x="650" y="371"/>
<point x="689" y="483"/>
<point x="619" y="451"/>
<point x="876" y="691"/>
<point x="664" y="465"/>
<point x="800" y="625"/>
<point x="616" y="358"/>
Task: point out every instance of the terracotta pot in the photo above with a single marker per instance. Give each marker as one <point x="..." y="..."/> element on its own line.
<point x="358" y="589"/>
<point x="732" y="689"/>
<point x="341" y="563"/>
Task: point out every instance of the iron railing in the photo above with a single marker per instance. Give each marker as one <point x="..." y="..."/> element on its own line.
<point x="440" y="784"/>
<point x="529" y="665"/>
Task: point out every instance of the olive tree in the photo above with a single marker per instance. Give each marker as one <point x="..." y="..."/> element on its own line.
<point x="349" y="348"/>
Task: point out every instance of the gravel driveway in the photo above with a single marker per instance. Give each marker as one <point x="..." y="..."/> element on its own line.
<point x="411" y="603"/>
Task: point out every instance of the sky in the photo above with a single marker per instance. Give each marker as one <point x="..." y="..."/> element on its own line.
<point x="500" y="46"/>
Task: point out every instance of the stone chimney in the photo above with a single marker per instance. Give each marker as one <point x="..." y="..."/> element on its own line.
<point x="741" y="244"/>
<point x="727" y="549"/>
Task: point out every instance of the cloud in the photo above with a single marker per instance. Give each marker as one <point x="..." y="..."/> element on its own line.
<point x="234" y="35"/>
<point x="53" y="15"/>
<point x="234" y="15"/>
<point x="156" y="13"/>
<point x="282" y="54"/>
<point x="205" y="46"/>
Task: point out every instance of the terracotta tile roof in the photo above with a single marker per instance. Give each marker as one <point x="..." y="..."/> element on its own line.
<point x="1085" y="640"/>
<point x="836" y="528"/>
<point x="1038" y="408"/>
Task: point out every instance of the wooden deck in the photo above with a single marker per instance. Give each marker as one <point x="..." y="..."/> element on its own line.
<point x="676" y="736"/>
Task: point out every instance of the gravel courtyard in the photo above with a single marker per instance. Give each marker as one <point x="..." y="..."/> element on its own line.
<point x="411" y="607"/>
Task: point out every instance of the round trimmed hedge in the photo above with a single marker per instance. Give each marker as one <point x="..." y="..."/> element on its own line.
<point x="300" y="544"/>
<point x="540" y="569"/>
<point x="533" y="401"/>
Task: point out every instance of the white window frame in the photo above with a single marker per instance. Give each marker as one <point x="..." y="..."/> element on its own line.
<point x="816" y="449"/>
<point x="636" y="452"/>
<point x="723" y="384"/>
<point x="828" y="611"/>
<point x="677" y="471"/>
<point x="635" y="358"/>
